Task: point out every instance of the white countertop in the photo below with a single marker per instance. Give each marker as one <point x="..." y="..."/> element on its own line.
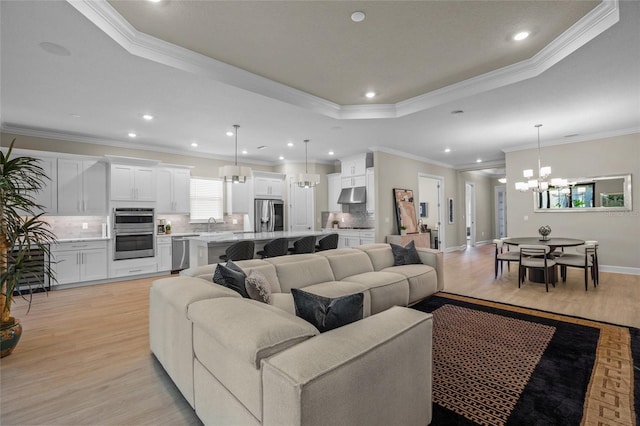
<point x="79" y="239"/>
<point x="255" y="236"/>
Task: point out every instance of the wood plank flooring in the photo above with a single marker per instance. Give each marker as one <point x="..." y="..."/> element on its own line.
<point x="84" y="356"/>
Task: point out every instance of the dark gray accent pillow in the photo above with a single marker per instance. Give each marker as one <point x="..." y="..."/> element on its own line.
<point x="231" y="276"/>
<point x="407" y="255"/>
<point x="258" y="287"/>
<point x="326" y="313"/>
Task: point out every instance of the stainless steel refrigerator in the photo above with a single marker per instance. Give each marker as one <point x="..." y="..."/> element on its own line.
<point x="269" y="215"/>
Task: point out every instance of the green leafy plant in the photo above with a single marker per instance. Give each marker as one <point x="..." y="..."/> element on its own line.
<point x="21" y="228"/>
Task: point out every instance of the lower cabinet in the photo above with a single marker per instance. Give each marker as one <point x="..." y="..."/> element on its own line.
<point x="77" y="262"/>
<point x="163" y="253"/>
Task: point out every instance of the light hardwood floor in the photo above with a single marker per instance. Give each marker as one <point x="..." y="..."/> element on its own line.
<point x="84" y="356"/>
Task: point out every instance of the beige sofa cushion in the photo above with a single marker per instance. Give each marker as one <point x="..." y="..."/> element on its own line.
<point x="380" y="255"/>
<point x="180" y="292"/>
<point x="382" y="363"/>
<point x="423" y="280"/>
<point x="386" y="289"/>
<point x="347" y="262"/>
<point x="301" y="270"/>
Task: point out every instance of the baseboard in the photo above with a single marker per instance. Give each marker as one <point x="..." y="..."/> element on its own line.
<point x="619" y="269"/>
<point x="483" y="242"/>
<point x="455" y="248"/>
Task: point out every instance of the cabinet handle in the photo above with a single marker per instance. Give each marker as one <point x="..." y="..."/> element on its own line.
<point x="135" y="270"/>
<point x="84" y="205"/>
<point x="77" y="258"/>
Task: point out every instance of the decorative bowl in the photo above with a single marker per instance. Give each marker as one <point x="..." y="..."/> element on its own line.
<point x="544" y="230"/>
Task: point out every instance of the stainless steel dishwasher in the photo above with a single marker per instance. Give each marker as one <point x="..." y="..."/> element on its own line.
<point x="180" y="252"/>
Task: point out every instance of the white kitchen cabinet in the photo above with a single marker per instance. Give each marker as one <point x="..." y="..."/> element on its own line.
<point x="353" y="181"/>
<point x="163" y="253"/>
<point x="133" y="183"/>
<point x="82" y="187"/>
<point x="354" y="166"/>
<point x="371" y="191"/>
<point x="348" y="239"/>
<point x="333" y="192"/>
<point x="367" y="237"/>
<point x="173" y="190"/>
<point x="47" y="197"/>
<point x="77" y="262"/>
<point x="268" y="187"/>
<point x="239" y="197"/>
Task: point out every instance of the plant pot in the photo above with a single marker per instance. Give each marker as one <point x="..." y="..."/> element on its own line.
<point x="403" y="232"/>
<point x="9" y="336"/>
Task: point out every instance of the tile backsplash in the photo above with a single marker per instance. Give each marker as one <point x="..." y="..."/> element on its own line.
<point x="72" y="226"/>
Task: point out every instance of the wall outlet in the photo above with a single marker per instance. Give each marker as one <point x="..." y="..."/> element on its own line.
<point x="526" y="218"/>
<point x="85" y="225"/>
<point x="235" y="221"/>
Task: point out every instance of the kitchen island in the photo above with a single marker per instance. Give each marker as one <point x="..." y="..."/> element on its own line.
<point x="206" y="248"/>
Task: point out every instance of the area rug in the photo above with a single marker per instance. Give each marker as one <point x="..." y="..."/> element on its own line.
<point x="497" y="364"/>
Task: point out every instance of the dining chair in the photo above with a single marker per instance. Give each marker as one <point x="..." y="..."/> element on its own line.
<point x="585" y="258"/>
<point x="327" y="243"/>
<point x="274" y="248"/>
<point x="304" y="245"/>
<point x="242" y="250"/>
<point x="535" y="256"/>
<point x="502" y="256"/>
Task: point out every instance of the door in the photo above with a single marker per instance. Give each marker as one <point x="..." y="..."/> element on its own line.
<point x="70" y="186"/>
<point x="94" y="187"/>
<point x="431" y="192"/>
<point x="301" y="207"/>
<point x="501" y="211"/>
<point x="470" y="216"/>
<point x="67" y="266"/>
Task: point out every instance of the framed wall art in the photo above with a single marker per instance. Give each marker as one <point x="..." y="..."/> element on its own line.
<point x="405" y="210"/>
<point x="451" y="211"/>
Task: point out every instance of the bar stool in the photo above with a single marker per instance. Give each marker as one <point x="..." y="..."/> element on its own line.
<point x="274" y="248"/>
<point x="327" y="243"/>
<point x="242" y="250"/>
<point x="304" y="245"/>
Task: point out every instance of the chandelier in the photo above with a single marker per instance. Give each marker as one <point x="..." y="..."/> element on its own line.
<point x="539" y="184"/>
<point x="235" y="173"/>
<point x="306" y="179"/>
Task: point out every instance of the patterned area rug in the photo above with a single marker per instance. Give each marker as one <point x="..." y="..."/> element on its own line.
<point x="497" y="364"/>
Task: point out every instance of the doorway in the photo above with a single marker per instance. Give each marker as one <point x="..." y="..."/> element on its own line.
<point x="431" y="207"/>
<point x="470" y="213"/>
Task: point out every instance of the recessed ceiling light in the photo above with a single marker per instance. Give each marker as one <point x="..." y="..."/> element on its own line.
<point x="331" y="152"/>
<point x="154" y="1"/>
<point x="521" y="36"/>
<point x="55" y="49"/>
<point x="148" y="117"/>
<point x="244" y="151"/>
<point x="229" y="133"/>
<point x="74" y="115"/>
<point x="281" y="157"/>
<point x="358" y="16"/>
<point x="447" y="150"/>
<point x="457" y="111"/>
<point x="132" y="135"/>
<point x="194" y="144"/>
<point x="370" y="95"/>
<point x="290" y="144"/>
<point x="479" y="160"/>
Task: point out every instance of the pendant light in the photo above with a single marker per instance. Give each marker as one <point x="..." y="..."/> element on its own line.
<point x="539" y="184"/>
<point x="307" y="180"/>
<point x="235" y="173"/>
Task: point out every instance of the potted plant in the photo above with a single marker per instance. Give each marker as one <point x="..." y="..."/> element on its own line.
<point x="403" y="230"/>
<point x="21" y="229"/>
<point x="335" y="224"/>
<point x="167" y="228"/>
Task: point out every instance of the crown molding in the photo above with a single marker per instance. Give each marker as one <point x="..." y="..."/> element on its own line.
<point x="105" y="17"/>
<point x="409" y="156"/>
<point x="577" y="139"/>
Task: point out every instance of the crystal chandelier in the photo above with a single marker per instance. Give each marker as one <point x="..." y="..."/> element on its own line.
<point x="306" y="179"/>
<point x="539" y="184"/>
<point x="235" y="173"/>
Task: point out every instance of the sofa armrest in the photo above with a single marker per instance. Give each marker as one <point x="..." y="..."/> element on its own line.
<point x="434" y="259"/>
<point x="373" y="371"/>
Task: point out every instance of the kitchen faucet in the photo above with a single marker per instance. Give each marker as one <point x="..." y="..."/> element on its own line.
<point x="209" y="223"/>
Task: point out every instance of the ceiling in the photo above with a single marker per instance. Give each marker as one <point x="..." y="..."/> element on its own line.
<point x="293" y="70"/>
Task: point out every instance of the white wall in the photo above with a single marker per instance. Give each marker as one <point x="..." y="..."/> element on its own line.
<point x="618" y="233"/>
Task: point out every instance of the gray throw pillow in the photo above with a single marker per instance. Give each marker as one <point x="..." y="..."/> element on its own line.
<point x="326" y="313"/>
<point x="407" y="255"/>
<point x="231" y="276"/>
<point x="258" y="287"/>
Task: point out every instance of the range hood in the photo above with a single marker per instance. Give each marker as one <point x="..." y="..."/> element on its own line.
<point x="357" y="195"/>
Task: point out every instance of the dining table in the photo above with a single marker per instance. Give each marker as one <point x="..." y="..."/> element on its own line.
<point x="537" y="274"/>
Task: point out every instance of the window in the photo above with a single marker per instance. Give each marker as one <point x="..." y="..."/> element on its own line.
<point x="206" y="199"/>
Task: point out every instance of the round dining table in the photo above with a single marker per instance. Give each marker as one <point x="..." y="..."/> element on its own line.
<point x="537" y="274"/>
<point x="553" y="243"/>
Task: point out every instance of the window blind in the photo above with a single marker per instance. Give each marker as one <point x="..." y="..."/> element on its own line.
<point x="206" y="199"/>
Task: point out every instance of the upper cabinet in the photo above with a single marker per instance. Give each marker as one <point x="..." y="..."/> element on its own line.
<point x="371" y="191"/>
<point x="82" y="187"/>
<point x="334" y="186"/>
<point x="133" y="182"/>
<point x="354" y="169"/>
<point x="268" y="185"/>
<point x="48" y="196"/>
<point x="173" y="188"/>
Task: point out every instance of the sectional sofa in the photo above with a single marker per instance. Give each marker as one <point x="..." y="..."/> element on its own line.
<point x="241" y="361"/>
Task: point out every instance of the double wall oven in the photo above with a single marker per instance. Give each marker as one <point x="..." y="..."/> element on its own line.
<point x="133" y="232"/>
